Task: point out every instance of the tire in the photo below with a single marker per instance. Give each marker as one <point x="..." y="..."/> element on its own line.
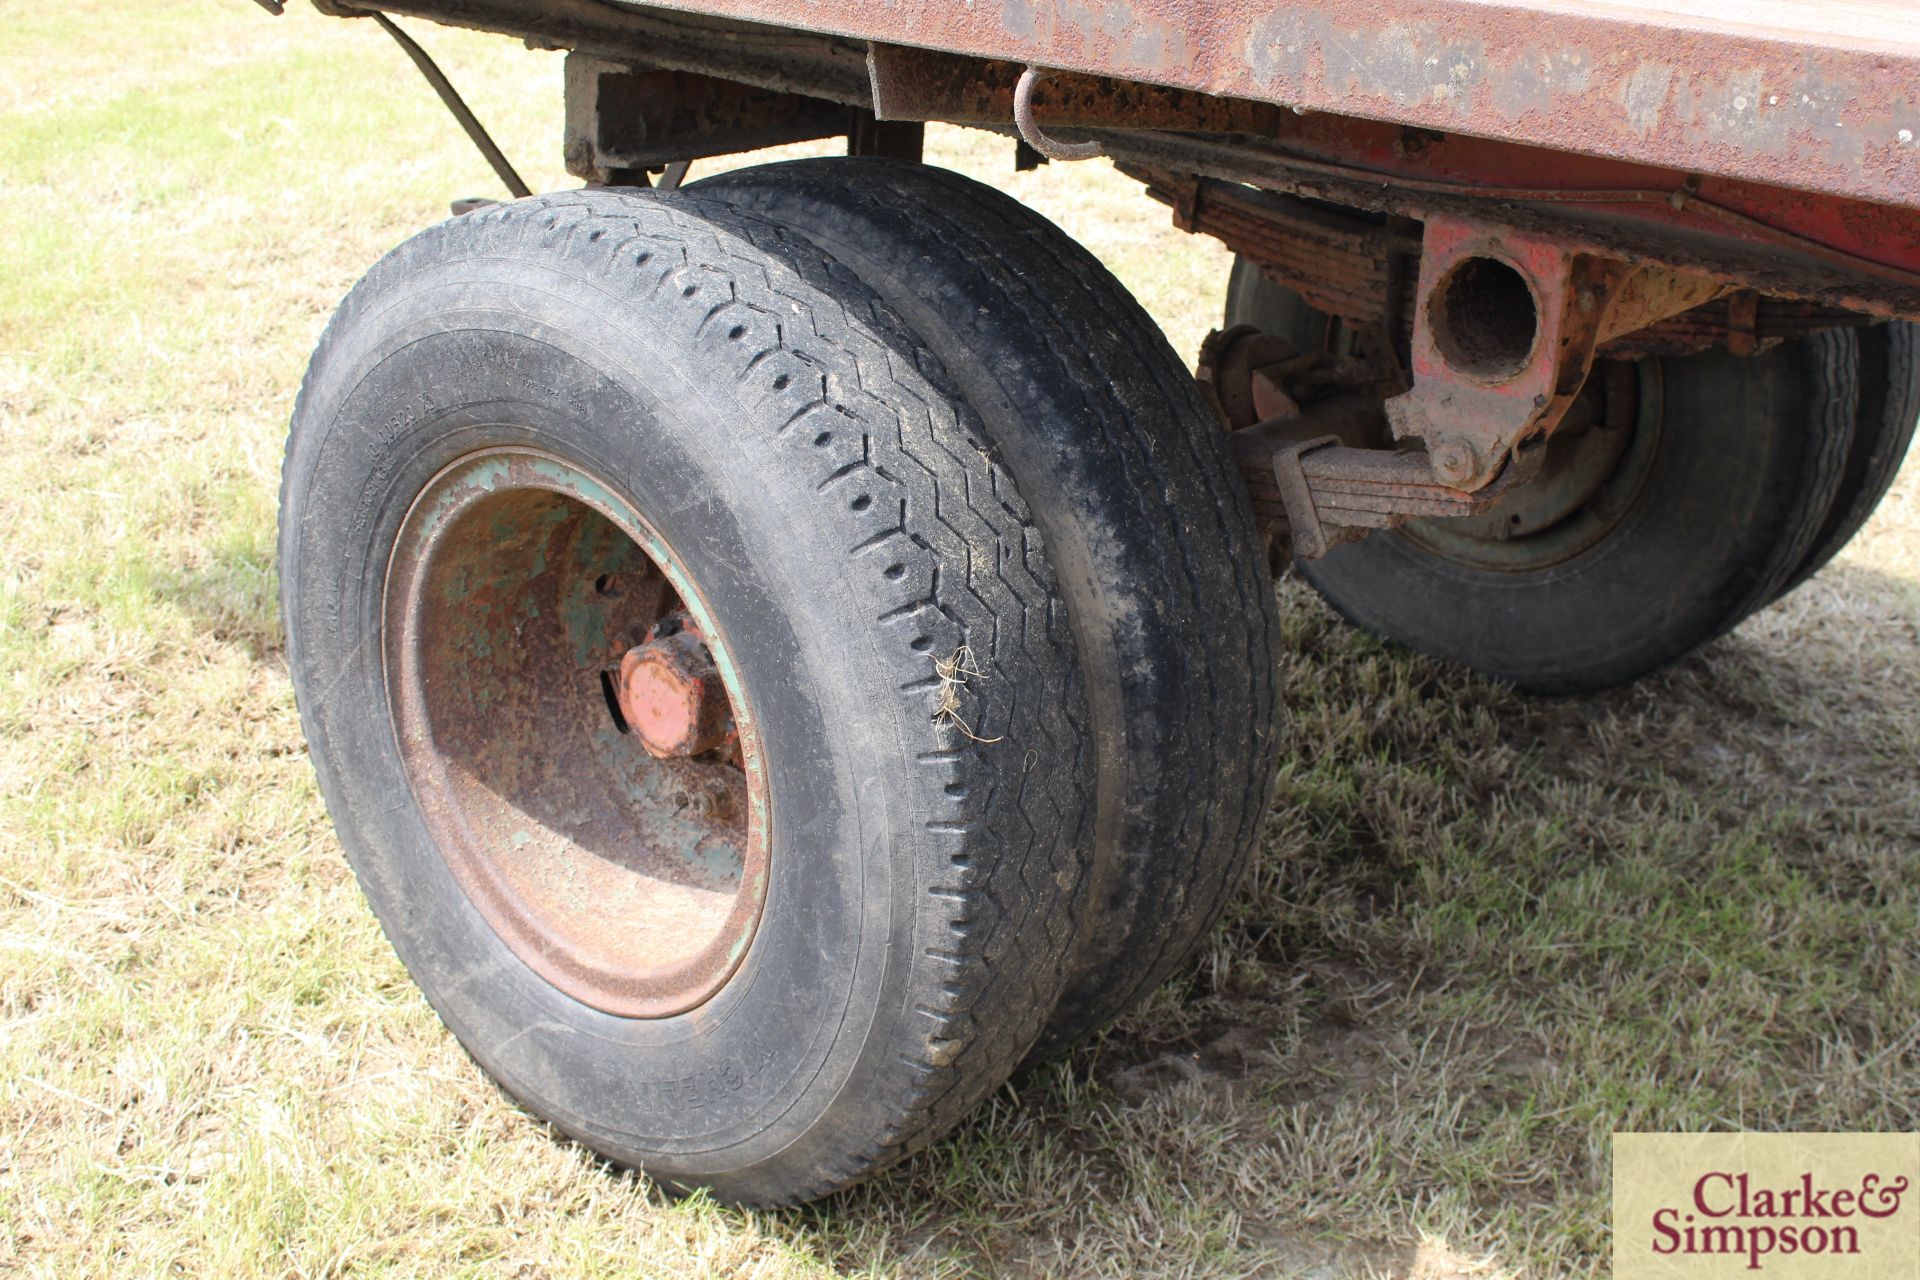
<point x="1253" y="299"/>
<point x="1883" y="431"/>
<point x="640" y="398"/>
<point x="1145" y="521"/>
<point x="1719" y="495"/>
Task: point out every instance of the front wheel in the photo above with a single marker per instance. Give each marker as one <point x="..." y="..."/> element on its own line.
<point x="687" y="686"/>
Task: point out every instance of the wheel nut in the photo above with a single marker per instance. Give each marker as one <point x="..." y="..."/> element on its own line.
<point x="672" y="697"/>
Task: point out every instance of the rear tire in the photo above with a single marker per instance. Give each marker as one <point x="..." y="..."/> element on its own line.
<point x="1883" y="431"/>
<point x="1705" y="514"/>
<point x="1145" y="519"/>
<point x="622" y="386"/>
<point x="1253" y="299"/>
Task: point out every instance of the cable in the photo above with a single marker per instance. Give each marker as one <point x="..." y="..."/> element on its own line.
<point x="451" y="96"/>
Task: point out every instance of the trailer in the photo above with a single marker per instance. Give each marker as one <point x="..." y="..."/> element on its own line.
<point x="784" y="649"/>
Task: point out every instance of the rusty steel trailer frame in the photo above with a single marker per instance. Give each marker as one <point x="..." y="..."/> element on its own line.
<point x="1801" y="95"/>
<point x="1780" y="146"/>
<point x="1540" y="183"/>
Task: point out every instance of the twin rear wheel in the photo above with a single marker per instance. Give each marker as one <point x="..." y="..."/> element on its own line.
<point x="777" y="655"/>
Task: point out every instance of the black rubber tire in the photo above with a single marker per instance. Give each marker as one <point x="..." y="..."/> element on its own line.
<point x="1253" y="299"/>
<point x="924" y="887"/>
<point x="1145" y="519"/>
<point x="1883" y="431"/>
<point x="1748" y="465"/>
<point x="1889" y="389"/>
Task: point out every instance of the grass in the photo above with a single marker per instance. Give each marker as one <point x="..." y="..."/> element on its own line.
<point x="1482" y="934"/>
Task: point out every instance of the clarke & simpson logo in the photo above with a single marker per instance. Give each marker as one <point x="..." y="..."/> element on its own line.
<point x="1725" y="1215"/>
<point x="1783" y="1205"/>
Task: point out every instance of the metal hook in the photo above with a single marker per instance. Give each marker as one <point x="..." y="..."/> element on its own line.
<point x="1030" y="130"/>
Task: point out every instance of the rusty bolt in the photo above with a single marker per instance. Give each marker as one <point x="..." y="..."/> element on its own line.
<point x="672" y="697"/>
<point x="1453" y="460"/>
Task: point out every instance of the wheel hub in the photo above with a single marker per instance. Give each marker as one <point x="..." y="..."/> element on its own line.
<point x="672" y="696"/>
<point x="1585" y="486"/>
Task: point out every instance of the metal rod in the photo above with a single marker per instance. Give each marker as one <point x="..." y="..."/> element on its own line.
<point x="1030" y="130"/>
<point x="461" y="112"/>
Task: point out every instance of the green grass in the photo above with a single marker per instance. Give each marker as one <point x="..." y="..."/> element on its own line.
<point x="1482" y="933"/>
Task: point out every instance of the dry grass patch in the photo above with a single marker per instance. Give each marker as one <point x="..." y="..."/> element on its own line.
<point x="1482" y="934"/>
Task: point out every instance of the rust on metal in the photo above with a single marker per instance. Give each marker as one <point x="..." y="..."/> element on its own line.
<point x="1573" y="467"/>
<point x="1806" y="97"/>
<point x="1714" y="324"/>
<point x="630" y="878"/>
<point x="1247" y="371"/>
<point x="1322" y="473"/>
<point x="1314" y="490"/>
<point x="925" y="84"/>
<point x="1581" y="484"/>
<point x="621" y="122"/>
<point x="1345" y="266"/>
<point x="1028" y="124"/>
<point x="1506" y="326"/>
<point x="1775" y="152"/>
<point x="1743" y="322"/>
<point x="1840" y="253"/>
<point x="1311" y="430"/>
<point x="1342" y="265"/>
<point x="671" y="693"/>
<point x="1310" y="434"/>
<point x="1321" y="492"/>
<point x="1333" y="493"/>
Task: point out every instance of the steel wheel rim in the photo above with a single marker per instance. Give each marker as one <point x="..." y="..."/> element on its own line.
<point x="519" y="589"/>
<point x="1617" y="457"/>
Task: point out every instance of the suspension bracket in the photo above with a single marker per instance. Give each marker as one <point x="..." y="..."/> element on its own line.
<point x="1505" y="329"/>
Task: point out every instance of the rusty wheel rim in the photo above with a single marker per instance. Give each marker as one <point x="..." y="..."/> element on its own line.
<point x="575" y="733"/>
<point x="1587" y="488"/>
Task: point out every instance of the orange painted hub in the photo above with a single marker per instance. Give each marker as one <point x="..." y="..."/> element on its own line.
<point x="672" y="696"/>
